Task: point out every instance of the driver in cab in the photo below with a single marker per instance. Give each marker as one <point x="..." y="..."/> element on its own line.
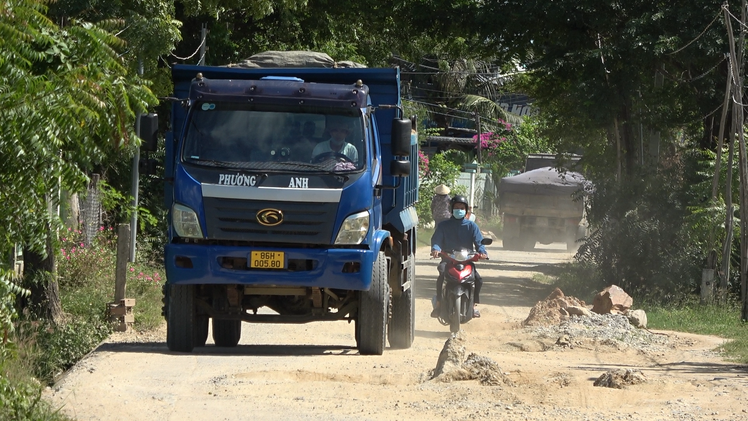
<point x="336" y="145"/>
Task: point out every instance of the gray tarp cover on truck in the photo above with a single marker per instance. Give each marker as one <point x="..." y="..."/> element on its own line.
<point x="293" y="59"/>
<point x="543" y="181"/>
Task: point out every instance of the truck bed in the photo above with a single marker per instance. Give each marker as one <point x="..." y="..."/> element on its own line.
<point x="540" y="205"/>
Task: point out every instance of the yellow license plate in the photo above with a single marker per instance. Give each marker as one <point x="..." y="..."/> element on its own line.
<point x="267" y="260"/>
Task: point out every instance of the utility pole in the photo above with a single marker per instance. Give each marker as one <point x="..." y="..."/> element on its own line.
<point x="737" y="99"/>
<point x="203" y="40"/>
<point x="135" y="182"/>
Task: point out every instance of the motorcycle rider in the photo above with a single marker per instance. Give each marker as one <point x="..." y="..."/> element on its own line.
<point x="457" y="233"/>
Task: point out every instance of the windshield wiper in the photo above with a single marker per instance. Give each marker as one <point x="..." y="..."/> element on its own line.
<point x="211" y="162"/>
<point x="317" y="167"/>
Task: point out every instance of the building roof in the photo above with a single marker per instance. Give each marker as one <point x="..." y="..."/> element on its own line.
<point x="450" y="139"/>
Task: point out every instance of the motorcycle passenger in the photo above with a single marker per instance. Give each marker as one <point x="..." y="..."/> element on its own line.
<point x="457" y="233"/>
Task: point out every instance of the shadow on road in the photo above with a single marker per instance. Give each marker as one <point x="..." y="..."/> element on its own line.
<point x="730" y="371"/>
<point x="244" y="350"/>
<point x="433" y="334"/>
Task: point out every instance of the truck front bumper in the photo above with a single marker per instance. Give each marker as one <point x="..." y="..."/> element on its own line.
<point x="348" y="269"/>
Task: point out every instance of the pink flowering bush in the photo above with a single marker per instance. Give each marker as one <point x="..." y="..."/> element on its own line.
<point x="503" y="150"/>
<point x="78" y="265"/>
<point x="423" y="164"/>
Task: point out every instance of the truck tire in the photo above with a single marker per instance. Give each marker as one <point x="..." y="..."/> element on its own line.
<point x="512" y="244"/>
<point x="528" y="243"/>
<point x="201" y="330"/>
<point x="455" y="315"/>
<point x="373" y="309"/>
<point x="227" y="333"/>
<point x="180" y="318"/>
<point x="402" y="325"/>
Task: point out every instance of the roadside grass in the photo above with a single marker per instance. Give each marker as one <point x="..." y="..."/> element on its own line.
<point x="709" y="319"/>
<point x="21" y="393"/>
<point x="543" y="279"/>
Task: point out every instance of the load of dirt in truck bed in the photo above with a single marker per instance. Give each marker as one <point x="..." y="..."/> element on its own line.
<point x="293" y="59"/>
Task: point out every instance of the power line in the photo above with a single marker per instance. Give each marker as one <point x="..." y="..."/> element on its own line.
<point x="193" y="54"/>
<point x="470" y="114"/>
<point x="734" y="17"/>
<point x="698" y="36"/>
<point x="443" y="107"/>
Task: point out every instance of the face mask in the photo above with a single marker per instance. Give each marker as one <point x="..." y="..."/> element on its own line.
<point x="459" y="213"/>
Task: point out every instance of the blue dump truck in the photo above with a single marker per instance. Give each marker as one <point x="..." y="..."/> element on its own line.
<point x="273" y="220"/>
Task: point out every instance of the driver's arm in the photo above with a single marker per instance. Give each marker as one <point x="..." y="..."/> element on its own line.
<point x="477" y="238"/>
<point x="352" y="153"/>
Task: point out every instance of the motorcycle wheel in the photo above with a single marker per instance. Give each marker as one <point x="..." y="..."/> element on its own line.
<point x="454" y="318"/>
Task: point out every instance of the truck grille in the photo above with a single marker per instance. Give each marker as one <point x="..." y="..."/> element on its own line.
<point x="236" y="219"/>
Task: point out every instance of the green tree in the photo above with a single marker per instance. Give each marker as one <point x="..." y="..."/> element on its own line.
<point x="68" y="101"/>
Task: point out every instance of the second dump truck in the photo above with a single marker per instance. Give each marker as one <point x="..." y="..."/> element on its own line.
<point x="542" y="205"/>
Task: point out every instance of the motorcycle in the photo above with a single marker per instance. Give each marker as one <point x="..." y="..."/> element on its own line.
<point x="458" y="291"/>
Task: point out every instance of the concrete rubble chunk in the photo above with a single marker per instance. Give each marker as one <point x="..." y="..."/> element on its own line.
<point x="578" y="311"/>
<point x="620" y="378"/>
<point x="637" y="318"/>
<point x="612" y="299"/>
<point x="554" y="309"/>
<point x="454" y="366"/>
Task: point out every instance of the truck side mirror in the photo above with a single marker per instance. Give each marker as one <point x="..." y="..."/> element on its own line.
<point x="149" y="132"/>
<point x="486" y="241"/>
<point x="399" y="168"/>
<point x="401" y="129"/>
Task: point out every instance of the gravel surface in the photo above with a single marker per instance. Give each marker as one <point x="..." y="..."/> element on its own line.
<point x="603" y="329"/>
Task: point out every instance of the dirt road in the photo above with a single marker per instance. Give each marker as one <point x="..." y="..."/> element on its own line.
<point x="314" y="372"/>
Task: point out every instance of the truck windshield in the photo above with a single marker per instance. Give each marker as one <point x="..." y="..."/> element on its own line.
<point x="310" y="140"/>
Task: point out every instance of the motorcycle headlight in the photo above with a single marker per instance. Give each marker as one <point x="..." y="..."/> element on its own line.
<point x="354" y="229"/>
<point x="185" y="222"/>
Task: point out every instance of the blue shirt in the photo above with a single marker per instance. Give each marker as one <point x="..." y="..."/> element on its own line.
<point x="457" y="234"/>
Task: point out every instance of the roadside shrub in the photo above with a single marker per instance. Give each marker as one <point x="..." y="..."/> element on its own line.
<point x="79" y="265"/>
<point x="643" y="236"/>
<point x="53" y="349"/>
<point x="21" y="399"/>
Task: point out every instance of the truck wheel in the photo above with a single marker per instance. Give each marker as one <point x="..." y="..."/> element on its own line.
<point x="373" y="309"/>
<point x="180" y="318"/>
<point x="454" y="317"/>
<point x="402" y="325"/>
<point x="226" y="333"/>
<point x="528" y="243"/>
<point x="511" y="244"/>
<point x="201" y="330"/>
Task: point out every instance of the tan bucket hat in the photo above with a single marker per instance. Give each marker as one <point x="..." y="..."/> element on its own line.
<point x="441" y="189"/>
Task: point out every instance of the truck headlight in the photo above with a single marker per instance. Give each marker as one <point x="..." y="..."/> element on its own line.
<point x="185" y="222"/>
<point x="354" y="229"/>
